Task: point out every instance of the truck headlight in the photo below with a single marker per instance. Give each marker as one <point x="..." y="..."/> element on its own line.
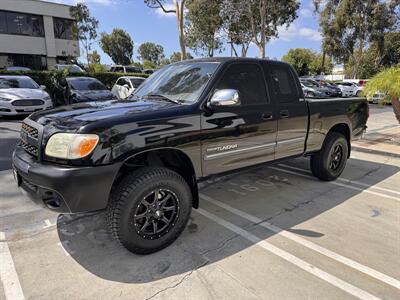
<point x="71" y="145"/>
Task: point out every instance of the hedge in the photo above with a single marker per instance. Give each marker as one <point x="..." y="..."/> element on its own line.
<point x="44" y="77"/>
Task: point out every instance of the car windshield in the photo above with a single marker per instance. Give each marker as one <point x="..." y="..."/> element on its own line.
<point x="18" y="83"/>
<point x="182" y="82"/>
<point x="132" y="70"/>
<point x="309" y="84"/>
<point x="86" y="84"/>
<point x="136" y="82"/>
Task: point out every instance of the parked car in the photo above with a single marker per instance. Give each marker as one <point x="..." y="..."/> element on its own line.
<point x="376" y="97"/>
<point x="350" y="89"/>
<point x="21" y="95"/>
<point x="126" y="69"/>
<point x="85" y="89"/>
<point x="141" y="160"/>
<point x="70" y="68"/>
<point x="313" y="90"/>
<point x="329" y="89"/>
<point x="125" y="86"/>
<point x="16" y="68"/>
<point x="148" y="71"/>
<point x="335" y="91"/>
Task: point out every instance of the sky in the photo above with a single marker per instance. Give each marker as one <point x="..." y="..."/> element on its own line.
<point x="145" y="24"/>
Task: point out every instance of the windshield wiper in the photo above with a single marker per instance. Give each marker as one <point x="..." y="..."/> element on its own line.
<point x="159" y="96"/>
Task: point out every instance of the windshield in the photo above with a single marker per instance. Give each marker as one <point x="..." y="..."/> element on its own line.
<point x="182" y="82"/>
<point x="18" y="83"/>
<point x="136" y="82"/>
<point x="309" y="84"/>
<point x="86" y="84"/>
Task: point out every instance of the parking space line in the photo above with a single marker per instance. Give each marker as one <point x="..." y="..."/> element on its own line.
<point x="346" y="180"/>
<point x="339" y="184"/>
<point x="306" y="243"/>
<point x="335" y="281"/>
<point x="8" y="274"/>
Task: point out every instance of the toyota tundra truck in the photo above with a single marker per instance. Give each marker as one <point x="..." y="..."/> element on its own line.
<point x="141" y="159"/>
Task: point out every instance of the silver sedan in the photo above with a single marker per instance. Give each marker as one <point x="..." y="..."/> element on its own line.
<point x="21" y="95"/>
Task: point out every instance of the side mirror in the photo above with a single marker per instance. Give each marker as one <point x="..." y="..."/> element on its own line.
<point x="126" y="86"/>
<point x="225" y="97"/>
<point x="42" y="87"/>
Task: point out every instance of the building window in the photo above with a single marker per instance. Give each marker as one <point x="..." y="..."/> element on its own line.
<point x="34" y="62"/>
<point x="63" y="29"/>
<point x="21" y="24"/>
<point x="3" y="23"/>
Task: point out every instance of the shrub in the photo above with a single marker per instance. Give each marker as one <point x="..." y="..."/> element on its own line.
<point x="45" y="77"/>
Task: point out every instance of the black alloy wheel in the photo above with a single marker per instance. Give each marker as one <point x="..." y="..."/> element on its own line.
<point x="336" y="157"/>
<point x="156" y="214"/>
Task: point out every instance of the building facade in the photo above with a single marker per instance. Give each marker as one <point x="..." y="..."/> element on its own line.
<point x="35" y="34"/>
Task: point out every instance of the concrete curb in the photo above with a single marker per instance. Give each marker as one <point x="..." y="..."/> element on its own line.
<point x="373" y="151"/>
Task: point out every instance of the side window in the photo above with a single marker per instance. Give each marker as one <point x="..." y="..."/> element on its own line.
<point x="119" y="81"/>
<point x="248" y="79"/>
<point x="283" y="83"/>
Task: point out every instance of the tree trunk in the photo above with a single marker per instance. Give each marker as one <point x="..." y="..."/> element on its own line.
<point x="179" y="20"/>
<point x="396" y="107"/>
<point x="263" y="15"/>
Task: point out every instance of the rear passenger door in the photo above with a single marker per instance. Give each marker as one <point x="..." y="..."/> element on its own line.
<point x="243" y="135"/>
<point x="292" y="109"/>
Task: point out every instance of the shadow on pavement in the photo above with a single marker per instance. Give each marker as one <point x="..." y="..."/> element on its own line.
<point x="287" y="199"/>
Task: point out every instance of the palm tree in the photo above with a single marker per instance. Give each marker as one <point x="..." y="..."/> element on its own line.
<point x="388" y="82"/>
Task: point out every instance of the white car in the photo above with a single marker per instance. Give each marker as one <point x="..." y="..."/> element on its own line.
<point x="350" y="89"/>
<point x="21" y="95"/>
<point x="70" y="68"/>
<point x="125" y="86"/>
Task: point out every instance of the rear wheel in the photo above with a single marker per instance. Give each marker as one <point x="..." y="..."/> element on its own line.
<point x="331" y="160"/>
<point x="149" y="209"/>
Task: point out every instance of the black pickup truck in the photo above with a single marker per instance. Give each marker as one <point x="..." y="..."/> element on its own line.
<point x="141" y="158"/>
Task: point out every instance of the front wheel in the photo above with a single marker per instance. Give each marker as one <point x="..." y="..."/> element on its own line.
<point x="149" y="209"/>
<point x="331" y="160"/>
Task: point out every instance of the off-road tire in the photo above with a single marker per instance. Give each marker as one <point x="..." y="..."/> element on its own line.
<point x="127" y="196"/>
<point x="320" y="161"/>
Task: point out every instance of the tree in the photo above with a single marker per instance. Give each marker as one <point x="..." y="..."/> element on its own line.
<point x="388" y="82"/>
<point x="349" y="26"/>
<point x="300" y="59"/>
<point x="151" y="52"/>
<point x="203" y="24"/>
<point x="85" y="27"/>
<point x="266" y="16"/>
<point x="149" y="65"/>
<point x="236" y="26"/>
<point x="118" y="45"/>
<point x="175" y="57"/>
<point x="307" y="62"/>
<point x="94" y="57"/>
<point x="179" y="12"/>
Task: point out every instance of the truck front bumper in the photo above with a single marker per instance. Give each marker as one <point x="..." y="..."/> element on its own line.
<point x="64" y="189"/>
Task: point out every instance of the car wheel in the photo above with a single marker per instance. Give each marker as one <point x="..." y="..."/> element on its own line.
<point x="358" y="94"/>
<point x="330" y="161"/>
<point x="149" y="209"/>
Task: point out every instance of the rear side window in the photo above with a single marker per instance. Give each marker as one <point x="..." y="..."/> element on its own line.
<point x="283" y="83"/>
<point x="248" y="79"/>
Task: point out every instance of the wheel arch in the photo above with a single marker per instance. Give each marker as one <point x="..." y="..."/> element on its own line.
<point x="171" y="158"/>
<point x="344" y="129"/>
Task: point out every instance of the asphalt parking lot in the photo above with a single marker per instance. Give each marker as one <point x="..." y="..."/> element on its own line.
<point x="272" y="232"/>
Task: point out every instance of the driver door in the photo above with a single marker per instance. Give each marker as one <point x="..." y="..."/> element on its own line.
<point x="239" y="135"/>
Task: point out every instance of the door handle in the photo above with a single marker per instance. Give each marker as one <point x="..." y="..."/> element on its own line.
<point x="284" y="114"/>
<point x="267" y="116"/>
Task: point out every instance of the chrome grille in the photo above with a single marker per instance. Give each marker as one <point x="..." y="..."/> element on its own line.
<point x="31" y="131"/>
<point x="27" y="102"/>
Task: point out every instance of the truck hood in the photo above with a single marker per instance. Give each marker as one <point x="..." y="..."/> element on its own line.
<point x="17" y="93"/>
<point x="74" y="116"/>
